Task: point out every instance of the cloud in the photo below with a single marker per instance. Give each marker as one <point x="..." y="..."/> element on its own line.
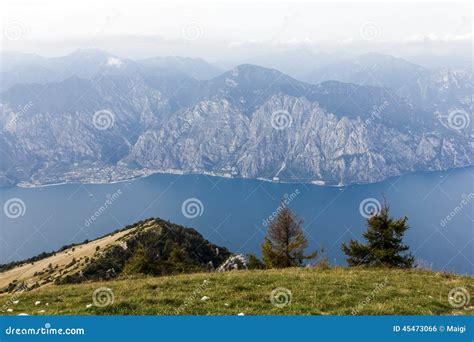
<point x="433" y="38"/>
<point x="114" y="62"/>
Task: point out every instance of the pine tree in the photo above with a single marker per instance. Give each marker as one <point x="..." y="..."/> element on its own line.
<point x="285" y="242"/>
<point x="384" y="245"/>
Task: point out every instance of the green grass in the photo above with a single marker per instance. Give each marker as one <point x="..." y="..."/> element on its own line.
<point x="336" y="291"/>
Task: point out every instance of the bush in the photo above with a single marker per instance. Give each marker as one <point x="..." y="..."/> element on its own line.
<point x="254" y="263"/>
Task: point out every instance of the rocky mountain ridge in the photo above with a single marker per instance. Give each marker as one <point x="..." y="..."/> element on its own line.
<point x="249" y="122"/>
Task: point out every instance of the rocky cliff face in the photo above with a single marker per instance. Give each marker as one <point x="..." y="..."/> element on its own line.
<point x="249" y="122"/>
<point x="315" y="146"/>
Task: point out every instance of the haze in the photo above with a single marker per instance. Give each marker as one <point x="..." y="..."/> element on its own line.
<point x="236" y="30"/>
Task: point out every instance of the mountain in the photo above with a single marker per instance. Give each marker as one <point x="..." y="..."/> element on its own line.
<point x="438" y="91"/>
<point x="370" y="69"/>
<point x="193" y="67"/>
<point x="18" y="68"/>
<point x="85" y="63"/>
<point x="249" y="122"/>
<point x="442" y="91"/>
<point x="299" y="64"/>
<point x="153" y="247"/>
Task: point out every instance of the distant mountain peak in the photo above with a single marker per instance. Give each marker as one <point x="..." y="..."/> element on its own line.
<point x="248" y="69"/>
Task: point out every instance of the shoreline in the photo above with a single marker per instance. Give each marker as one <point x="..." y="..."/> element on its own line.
<point x="211" y="174"/>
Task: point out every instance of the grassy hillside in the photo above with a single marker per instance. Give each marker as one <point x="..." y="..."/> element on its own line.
<point x="62" y="263"/>
<point x="137" y="271"/>
<point x="153" y="246"/>
<point x="336" y="291"/>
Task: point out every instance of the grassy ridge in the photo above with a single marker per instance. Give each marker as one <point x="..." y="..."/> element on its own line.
<point x="336" y="291"/>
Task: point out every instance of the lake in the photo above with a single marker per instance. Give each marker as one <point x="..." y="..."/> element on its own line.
<point x="233" y="212"/>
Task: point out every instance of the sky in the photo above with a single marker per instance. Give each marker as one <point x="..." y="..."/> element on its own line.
<point x="233" y="29"/>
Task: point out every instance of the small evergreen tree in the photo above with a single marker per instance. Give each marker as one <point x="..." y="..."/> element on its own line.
<point x="384" y="245"/>
<point x="285" y="242"/>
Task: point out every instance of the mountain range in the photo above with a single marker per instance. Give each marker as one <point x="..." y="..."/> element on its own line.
<point x="94" y="117"/>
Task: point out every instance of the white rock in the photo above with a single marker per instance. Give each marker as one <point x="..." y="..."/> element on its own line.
<point x="88" y="306"/>
<point x="241" y="314"/>
<point x="226" y="304"/>
<point x="205" y="298"/>
<point x="38" y="302"/>
<point x="234" y="262"/>
<point x="16" y="302"/>
<point x="23" y="314"/>
<point x="41" y="311"/>
<point x="9" y="310"/>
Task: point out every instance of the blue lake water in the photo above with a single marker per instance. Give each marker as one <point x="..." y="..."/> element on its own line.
<point x="233" y="213"/>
